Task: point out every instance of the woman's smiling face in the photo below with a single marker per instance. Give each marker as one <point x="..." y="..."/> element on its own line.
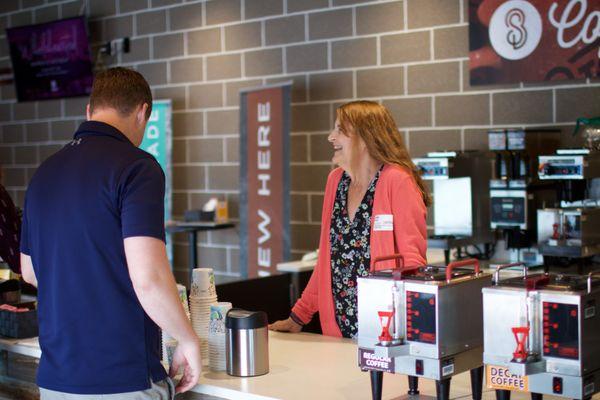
<point x="344" y="144"/>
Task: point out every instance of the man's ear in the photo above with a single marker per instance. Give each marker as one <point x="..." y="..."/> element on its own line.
<point x="141" y="116"/>
<point x="88" y="114"/>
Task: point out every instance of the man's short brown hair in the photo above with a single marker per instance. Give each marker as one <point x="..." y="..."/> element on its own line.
<point x="122" y="89"/>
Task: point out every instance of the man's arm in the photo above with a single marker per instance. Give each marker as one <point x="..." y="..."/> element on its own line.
<point x="156" y="290"/>
<point x="27" y="270"/>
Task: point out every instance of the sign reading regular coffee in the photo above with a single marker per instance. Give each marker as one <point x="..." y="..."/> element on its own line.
<point x="532" y="41"/>
<point x="264" y="178"/>
<point x="368" y="360"/>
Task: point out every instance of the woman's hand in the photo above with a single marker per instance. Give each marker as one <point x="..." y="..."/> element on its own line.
<point x="285" y="325"/>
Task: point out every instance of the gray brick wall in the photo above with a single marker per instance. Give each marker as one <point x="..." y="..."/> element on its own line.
<point x="412" y="55"/>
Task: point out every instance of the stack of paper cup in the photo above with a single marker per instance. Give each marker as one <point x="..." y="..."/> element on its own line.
<point x="216" y="336"/>
<point x="202" y="294"/>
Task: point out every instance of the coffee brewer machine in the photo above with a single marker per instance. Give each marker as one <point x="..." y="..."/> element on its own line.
<point x="422" y="321"/>
<point x="572" y="228"/>
<point x="515" y="190"/>
<point x="461" y="213"/>
<point x="542" y="334"/>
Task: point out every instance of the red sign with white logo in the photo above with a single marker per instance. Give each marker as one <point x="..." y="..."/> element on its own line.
<point x="533" y="40"/>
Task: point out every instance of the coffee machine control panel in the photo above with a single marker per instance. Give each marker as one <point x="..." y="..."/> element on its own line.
<point x="432" y="168"/>
<point x="420" y="317"/>
<point x="561" y="330"/>
<point x="508" y="208"/>
<point x="561" y="167"/>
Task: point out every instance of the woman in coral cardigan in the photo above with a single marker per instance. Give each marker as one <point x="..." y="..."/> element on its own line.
<point x="375" y="204"/>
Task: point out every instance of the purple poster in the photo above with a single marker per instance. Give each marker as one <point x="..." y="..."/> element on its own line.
<point x="51" y="60"/>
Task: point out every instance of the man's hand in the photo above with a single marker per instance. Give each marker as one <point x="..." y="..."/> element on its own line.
<point x="186" y="356"/>
<point x="155" y="288"/>
<point x="286" y="325"/>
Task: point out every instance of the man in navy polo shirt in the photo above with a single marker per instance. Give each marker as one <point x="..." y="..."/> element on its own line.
<point x="93" y="243"/>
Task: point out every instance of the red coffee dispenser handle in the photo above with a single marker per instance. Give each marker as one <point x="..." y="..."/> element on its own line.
<point x="462" y="263"/>
<point x="397" y="272"/>
<point x="397" y="257"/>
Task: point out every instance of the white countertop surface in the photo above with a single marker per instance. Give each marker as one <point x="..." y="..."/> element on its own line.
<point x="27" y="347"/>
<point x="307" y="366"/>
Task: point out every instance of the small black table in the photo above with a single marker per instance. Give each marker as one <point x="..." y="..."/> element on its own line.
<point x="192" y="229"/>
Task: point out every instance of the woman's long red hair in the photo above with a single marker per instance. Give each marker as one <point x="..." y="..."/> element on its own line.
<point x="377" y="128"/>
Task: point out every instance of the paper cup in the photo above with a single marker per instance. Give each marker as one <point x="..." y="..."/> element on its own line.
<point x="170" y="347"/>
<point x="216" y="351"/>
<point x="218" y="312"/>
<point x="203" y="282"/>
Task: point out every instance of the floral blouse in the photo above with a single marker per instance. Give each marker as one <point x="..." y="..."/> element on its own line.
<point x="350" y="253"/>
<point x="10" y="232"/>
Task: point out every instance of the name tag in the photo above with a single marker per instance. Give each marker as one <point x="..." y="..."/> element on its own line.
<point x="384" y="222"/>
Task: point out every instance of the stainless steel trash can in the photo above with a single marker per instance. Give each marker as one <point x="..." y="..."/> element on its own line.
<point x="247" y="343"/>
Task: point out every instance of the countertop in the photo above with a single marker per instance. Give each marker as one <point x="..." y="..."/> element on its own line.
<point x="305" y="366"/>
<point x="308" y="366"/>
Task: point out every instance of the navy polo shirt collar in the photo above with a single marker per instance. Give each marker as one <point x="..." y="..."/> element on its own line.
<point x="100" y="128"/>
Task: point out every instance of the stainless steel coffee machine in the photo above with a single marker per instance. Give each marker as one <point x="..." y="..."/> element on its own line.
<point x="569" y="232"/>
<point x="571" y="229"/>
<point x="542" y="334"/>
<point x="461" y="211"/>
<point x="515" y="190"/>
<point x="422" y="322"/>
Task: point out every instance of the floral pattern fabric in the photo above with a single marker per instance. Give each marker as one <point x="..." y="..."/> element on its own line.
<point x="350" y="253"/>
<point x="10" y="232"/>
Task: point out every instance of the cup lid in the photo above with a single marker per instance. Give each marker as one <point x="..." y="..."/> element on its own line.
<point x="243" y="319"/>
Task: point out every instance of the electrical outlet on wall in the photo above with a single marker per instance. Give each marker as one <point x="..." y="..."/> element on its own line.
<point x="116" y="46"/>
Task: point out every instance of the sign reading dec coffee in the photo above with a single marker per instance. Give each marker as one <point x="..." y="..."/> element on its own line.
<point x="264" y="178"/>
<point x="501" y="378"/>
<point x="535" y="40"/>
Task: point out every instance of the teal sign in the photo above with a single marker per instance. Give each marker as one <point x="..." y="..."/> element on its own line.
<point x="157" y="141"/>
